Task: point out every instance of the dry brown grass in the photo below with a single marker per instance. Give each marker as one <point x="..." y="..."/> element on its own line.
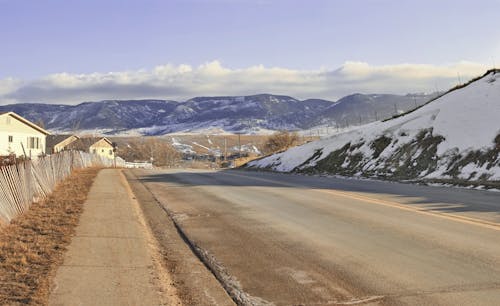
<point x="32" y="245"/>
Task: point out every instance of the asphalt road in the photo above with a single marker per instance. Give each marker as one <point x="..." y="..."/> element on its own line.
<point x="298" y="240"/>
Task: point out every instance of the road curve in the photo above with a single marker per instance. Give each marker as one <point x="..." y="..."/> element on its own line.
<point x="299" y="240"/>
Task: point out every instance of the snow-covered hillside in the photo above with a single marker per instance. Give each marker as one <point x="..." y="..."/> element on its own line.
<point x="456" y="136"/>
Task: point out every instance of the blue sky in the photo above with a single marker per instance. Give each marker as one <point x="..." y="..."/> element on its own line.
<point x="67" y="51"/>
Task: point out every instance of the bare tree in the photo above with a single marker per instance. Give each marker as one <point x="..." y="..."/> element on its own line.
<point x="160" y="152"/>
<point x="280" y="141"/>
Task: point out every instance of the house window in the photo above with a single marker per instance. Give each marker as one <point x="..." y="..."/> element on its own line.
<point x="102" y="150"/>
<point x="33" y="143"/>
<point x="110" y="152"/>
<point x="94" y="151"/>
<point x="11" y="138"/>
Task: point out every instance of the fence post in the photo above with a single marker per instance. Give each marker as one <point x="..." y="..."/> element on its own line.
<point x="23" y="184"/>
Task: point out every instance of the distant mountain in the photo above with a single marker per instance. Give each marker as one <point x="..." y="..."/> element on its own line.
<point x="455" y="138"/>
<point x="233" y="113"/>
<point x="357" y="109"/>
<point x="113" y="115"/>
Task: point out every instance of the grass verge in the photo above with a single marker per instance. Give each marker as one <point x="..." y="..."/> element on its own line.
<point x="32" y="246"/>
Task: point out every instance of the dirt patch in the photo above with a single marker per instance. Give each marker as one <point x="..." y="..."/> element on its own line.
<point x="340" y="161"/>
<point x="378" y="145"/>
<point x="161" y="276"/>
<point x="32" y="245"/>
<point x="415" y="157"/>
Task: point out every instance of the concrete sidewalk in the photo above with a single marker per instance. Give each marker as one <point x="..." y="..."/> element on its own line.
<point x="109" y="261"/>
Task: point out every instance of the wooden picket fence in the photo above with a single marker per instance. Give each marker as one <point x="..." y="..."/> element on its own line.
<point x="32" y="181"/>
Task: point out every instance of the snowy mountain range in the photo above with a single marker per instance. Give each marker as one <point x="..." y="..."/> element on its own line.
<point x="247" y="114"/>
<point x="455" y="137"/>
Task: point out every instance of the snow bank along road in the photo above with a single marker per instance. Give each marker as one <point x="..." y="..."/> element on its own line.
<point x="288" y="239"/>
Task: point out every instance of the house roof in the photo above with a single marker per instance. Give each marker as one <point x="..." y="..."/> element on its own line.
<point x="107" y="140"/>
<point x="53" y="140"/>
<point x="83" y="144"/>
<point x="27" y="122"/>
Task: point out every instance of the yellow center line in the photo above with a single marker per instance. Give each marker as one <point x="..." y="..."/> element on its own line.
<point x="387" y="203"/>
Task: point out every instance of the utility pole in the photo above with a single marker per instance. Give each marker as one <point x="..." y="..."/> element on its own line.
<point x="225" y="148"/>
<point x="152" y="154"/>
<point x="239" y="145"/>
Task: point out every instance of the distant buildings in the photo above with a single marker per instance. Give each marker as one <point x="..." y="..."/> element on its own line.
<point x="58" y="143"/>
<point x="21" y="137"/>
<point x="95" y="145"/>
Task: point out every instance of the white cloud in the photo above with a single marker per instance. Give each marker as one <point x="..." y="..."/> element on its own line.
<point x="358" y="70"/>
<point x="8" y="85"/>
<point x="183" y="81"/>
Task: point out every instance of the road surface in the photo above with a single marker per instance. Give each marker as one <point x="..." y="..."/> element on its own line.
<point x="302" y="240"/>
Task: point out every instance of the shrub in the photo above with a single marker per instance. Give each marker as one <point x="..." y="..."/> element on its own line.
<point x="280" y="141"/>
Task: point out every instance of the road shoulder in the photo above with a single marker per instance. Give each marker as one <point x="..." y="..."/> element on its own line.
<point x="194" y="283"/>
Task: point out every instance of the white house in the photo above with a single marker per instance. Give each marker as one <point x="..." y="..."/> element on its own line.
<point x="20" y="136"/>
<point x="95" y="145"/>
<point x="58" y="143"/>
